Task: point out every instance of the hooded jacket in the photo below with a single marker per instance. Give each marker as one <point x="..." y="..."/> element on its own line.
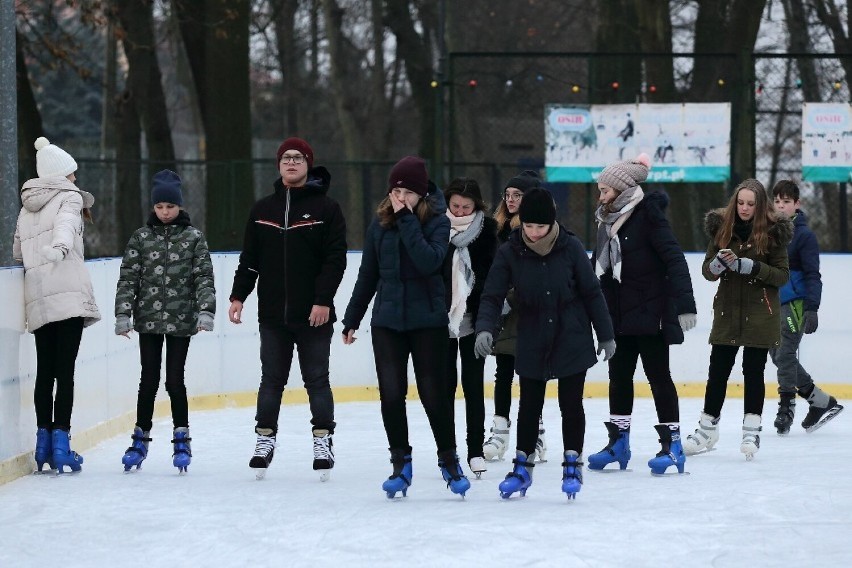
<point x="295" y="249"/>
<point x="558" y="299"/>
<point x="803" y="252"/>
<point x="655" y="286"/>
<point x="52" y="216"/>
<point x="747" y="308"/>
<point x="166" y="278"/>
<point x="402" y="265"/>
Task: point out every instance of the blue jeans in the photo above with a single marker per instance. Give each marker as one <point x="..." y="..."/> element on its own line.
<point x="313" y="345"/>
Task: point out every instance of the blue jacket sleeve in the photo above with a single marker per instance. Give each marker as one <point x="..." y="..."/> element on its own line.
<point x="496" y="287"/>
<point x="589" y="290"/>
<point x="427" y="248"/>
<point x="365" y="285"/>
<point x="809" y="257"/>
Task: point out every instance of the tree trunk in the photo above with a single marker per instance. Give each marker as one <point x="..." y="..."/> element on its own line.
<point x="128" y="202"/>
<point x="216" y="36"/>
<point x="412" y="47"/>
<point x="352" y="143"/>
<point x="144" y="79"/>
<point x="288" y="60"/>
<point x="109" y="93"/>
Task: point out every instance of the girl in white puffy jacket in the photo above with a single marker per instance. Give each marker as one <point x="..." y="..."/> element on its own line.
<point x="58" y="293"/>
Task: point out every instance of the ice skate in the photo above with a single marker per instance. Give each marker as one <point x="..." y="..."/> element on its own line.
<point x="138" y="450"/>
<point x="400" y="479"/>
<point x="63" y="455"/>
<point x="264" y="450"/>
<point x="616" y="450"/>
<point x="540" y="453"/>
<point x="44" y="452"/>
<point x="452" y="473"/>
<point x="323" y="453"/>
<point x="572" y="474"/>
<point x="671" y="452"/>
<point x="182" y="454"/>
<point x="496" y="445"/>
<point x="751" y="436"/>
<point x="704" y="437"/>
<point x="478" y="466"/>
<point x="786" y="412"/>
<point x="817" y="417"/>
<point x="519" y="479"/>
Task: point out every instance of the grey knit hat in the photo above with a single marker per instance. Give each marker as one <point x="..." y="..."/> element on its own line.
<point x="621" y="176"/>
<point x="751" y="184"/>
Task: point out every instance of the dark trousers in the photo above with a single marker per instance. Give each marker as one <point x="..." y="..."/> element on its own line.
<point x="392" y="349"/>
<point x="57" y="344"/>
<point x="570" y="390"/>
<point x="655" y="361"/>
<point x="792" y="377"/>
<point x="472" y="380"/>
<point x="721" y="362"/>
<point x="313" y="345"/>
<point x="503" y="377"/>
<point x="151" y="355"/>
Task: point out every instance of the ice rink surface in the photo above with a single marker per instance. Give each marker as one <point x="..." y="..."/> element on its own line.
<point x="791" y="506"/>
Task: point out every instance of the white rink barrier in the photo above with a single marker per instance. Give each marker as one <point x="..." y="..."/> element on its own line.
<point x="223" y="367"/>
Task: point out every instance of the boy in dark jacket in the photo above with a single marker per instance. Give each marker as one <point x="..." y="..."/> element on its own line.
<point x="295" y="248"/>
<point x="800" y="298"/>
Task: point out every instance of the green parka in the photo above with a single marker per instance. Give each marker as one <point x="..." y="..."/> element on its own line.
<point x="166" y="278"/>
<point x="747" y="308"/>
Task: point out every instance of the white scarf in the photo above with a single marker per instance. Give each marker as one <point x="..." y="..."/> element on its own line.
<point x="610" y="221"/>
<point x="463" y="231"/>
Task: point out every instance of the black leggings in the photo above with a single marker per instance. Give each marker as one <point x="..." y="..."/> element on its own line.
<point x="151" y="355"/>
<point x="503" y="378"/>
<point x="57" y="344"/>
<point x="472" y="380"/>
<point x="570" y="405"/>
<point x="721" y="363"/>
<point x="655" y="361"/>
<point x="392" y="349"/>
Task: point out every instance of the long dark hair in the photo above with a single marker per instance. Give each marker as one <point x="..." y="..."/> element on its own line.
<point x="764" y="217"/>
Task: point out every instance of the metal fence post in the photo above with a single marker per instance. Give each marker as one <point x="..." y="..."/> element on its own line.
<point x="9" y="203"/>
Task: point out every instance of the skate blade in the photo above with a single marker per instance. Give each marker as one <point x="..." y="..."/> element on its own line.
<point x="610" y="470"/>
<point x="670" y="474"/>
<point x="478" y="474"/>
<point x="749" y="457"/>
<point x="325" y="475"/>
<point x="182" y="471"/>
<point x="57" y="473"/>
<point x="259" y="473"/>
<point x="704" y="451"/>
<point x="45" y="472"/>
<point x="825" y="418"/>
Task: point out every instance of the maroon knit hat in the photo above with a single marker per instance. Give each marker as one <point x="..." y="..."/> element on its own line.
<point x="410" y="173"/>
<point x="297" y="144"/>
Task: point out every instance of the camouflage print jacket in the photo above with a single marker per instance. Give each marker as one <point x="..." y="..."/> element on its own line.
<point x="166" y="278"/>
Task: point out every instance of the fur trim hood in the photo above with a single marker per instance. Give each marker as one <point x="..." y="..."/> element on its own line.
<point x="781" y="231"/>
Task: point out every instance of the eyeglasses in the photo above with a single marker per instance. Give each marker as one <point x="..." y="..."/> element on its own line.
<point x="513" y="196"/>
<point x="297" y="159"/>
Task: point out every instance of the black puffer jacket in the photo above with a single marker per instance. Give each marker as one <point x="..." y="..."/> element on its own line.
<point x="655" y="285"/>
<point x="295" y="247"/>
<point x="558" y="299"/>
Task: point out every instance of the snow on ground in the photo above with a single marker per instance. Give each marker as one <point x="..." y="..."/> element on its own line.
<point x="791" y="506"/>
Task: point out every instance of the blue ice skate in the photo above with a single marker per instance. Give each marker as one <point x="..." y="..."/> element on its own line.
<point x="138" y="450"/>
<point x="44" y="449"/>
<point x="452" y="473"/>
<point x="402" y="474"/>
<point x="572" y="474"/>
<point x="519" y="479"/>
<point x="616" y="450"/>
<point x="182" y="454"/>
<point x="63" y="455"/>
<point x="671" y="453"/>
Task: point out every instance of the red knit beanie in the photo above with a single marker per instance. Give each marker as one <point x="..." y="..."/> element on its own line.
<point x="410" y="173"/>
<point x="297" y="144"/>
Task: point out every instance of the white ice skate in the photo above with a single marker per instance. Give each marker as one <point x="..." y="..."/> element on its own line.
<point x="478" y="466"/>
<point x="704" y="437"/>
<point x="496" y="445"/>
<point x="751" y="436"/>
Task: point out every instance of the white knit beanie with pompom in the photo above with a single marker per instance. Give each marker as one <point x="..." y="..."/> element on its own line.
<point x="51" y="160"/>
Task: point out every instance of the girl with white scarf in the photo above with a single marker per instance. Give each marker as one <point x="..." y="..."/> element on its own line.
<point x="473" y="242"/>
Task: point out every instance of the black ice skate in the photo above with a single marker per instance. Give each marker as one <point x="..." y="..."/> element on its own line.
<point x="817" y="417"/>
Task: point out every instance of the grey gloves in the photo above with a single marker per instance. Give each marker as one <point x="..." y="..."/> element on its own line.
<point x="52" y="254"/>
<point x="746" y="266"/>
<point x="687" y="321"/>
<point x="608" y="348"/>
<point x="122" y="324"/>
<point x="810" y="321"/>
<point x="205" y="321"/>
<point x="482" y="347"/>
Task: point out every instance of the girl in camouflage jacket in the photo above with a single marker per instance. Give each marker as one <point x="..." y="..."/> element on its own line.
<point x="166" y="285"/>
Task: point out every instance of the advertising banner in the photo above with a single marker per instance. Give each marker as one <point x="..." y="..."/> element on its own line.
<point x="827" y="142"/>
<point x="686" y="142"/>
